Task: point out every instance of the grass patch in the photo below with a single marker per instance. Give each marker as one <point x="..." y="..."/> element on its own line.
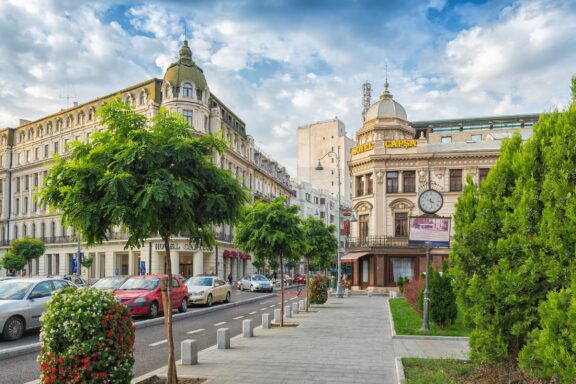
<point x="437" y="371"/>
<point x="408" y="322"/>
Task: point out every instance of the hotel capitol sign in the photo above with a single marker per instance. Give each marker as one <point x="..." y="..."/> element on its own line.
<point x="405" y="143"/>
<point x="185" y="247"/>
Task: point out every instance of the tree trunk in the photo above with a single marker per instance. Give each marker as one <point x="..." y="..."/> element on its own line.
<point x="172" y="376"/>
<point x="306" y="267"/>
<point x="281" y="292"/>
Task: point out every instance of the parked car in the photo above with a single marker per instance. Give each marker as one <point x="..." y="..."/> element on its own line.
<point x="77" y="280"/>
<point x="22" y="302"/>
<point x="299" y="279"/>
<point x="287" y="280"/>
<point x="142" y="296"/>
<point x="207" y="290"/>
<point x="111" y="283"/>
<point x="256" y="283"/>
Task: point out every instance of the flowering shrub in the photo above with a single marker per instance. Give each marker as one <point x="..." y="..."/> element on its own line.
<point x="318" y="290"/>
<point x="412" y="292"/>
<point x="87" y="337"/>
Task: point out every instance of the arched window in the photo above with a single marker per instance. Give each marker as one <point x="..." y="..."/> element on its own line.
<point x="167" y="91"/>
<point x="142" y="98"/>
<point x="42" y="231"/>
<point x="24" y="230"/>
<point x="90" y="114"/>
<point x="30" y="133"/>
<point x="15" y="232"/>
<point x="79" y="118"/>
<point x="39" y="131"/>
<point x="52" y="229"/>
<point x="50" y="127"/>
<point x="69" y="122"/>
<point x="129" y="99"/>
<point x="187" y="90"/>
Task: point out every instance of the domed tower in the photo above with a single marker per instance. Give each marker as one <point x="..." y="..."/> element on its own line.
<point x="386" y="119"/>
<point x="184" y="90"/>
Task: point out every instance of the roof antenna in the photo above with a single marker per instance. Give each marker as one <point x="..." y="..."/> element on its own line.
<point x="68" y="97"/>
<point x="185" y="32"/>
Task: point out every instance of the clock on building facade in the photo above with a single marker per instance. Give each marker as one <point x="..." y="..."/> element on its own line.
<point x="430" y="201"/>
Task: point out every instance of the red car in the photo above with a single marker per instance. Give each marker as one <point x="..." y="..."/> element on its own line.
<point x="141" y="294"/>
<point x="299" y="279"/>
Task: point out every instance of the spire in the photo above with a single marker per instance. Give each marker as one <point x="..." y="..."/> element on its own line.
<point x="185" y="51"/>
<point x="386" y="93"/>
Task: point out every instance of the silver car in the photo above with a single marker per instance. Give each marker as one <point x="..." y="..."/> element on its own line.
<point x="22" y="302"/>
<point x="256" y="283"/>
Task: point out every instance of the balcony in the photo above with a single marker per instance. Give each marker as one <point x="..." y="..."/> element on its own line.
<point x="377" y="242"/>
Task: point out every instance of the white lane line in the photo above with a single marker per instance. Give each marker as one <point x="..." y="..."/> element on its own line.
<point x="33" y="382"/>
<point x="264" y="303"/>
<point x="263" y="309"/>
<point x="238" y="317"/>
<point x="273" y="305"/>
<point x="253" y="313"/>
<point x="195" y="331"/>
<point x="158" y="343"/>
<point x="220" y="323"/>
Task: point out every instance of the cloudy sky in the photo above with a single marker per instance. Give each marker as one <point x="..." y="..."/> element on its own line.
<point x="282" y="64"/>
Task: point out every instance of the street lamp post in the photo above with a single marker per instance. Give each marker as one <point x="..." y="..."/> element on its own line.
<point x="319" y="167"/>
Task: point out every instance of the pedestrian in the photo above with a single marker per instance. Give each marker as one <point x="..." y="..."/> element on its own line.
<point x="230" y="278"/>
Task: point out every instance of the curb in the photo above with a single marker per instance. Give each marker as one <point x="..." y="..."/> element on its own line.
<point x="399" y="370"/>
<point x="26" y="349"/>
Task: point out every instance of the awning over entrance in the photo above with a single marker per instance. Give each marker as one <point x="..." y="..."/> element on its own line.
<point x="351" y="257"/>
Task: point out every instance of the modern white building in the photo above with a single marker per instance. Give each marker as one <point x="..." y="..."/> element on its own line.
<point x="26" y="154"/>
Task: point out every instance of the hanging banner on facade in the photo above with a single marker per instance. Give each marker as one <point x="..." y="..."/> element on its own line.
<point x="433" y="231"/>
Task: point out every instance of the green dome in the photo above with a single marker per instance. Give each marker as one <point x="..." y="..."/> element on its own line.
<point x="386" y="107"/>
<point x="185" y="69"/>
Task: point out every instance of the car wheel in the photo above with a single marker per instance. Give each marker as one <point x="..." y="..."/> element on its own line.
<point x="153" y="310"/>
<point x="251" y="288"/>
<point x="227" y="300"/>
<point x="183" y="306"/>
<point x="209" y="300"/>
<point x="13" y="329"/>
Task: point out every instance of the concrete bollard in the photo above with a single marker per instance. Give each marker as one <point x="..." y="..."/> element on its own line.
<point x="247" y="330"/>
<point x="287" y="311"/>
<point x="347" y="292"/>
<point x="369" y="293"/>
<point x="295" y="308"/>
<point x="301" y="306"/>
<point x="223" y="337"/>
<point x="277" y="316"/>
<point x="265" y="320"/>
<point x="189" y="352"/>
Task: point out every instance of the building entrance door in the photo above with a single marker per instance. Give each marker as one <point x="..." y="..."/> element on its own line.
<point x="364" y="273"/>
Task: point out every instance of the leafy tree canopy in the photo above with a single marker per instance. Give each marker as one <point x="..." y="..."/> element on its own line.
<point x="28" y="248"/>
<point x="321" y="245"/>
<point x="12" y="261"/>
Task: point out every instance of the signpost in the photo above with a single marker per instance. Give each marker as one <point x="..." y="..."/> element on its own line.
<point x="142" y="267"/>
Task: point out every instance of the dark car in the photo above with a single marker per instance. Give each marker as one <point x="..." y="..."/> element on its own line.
<point x="299" y="279"/>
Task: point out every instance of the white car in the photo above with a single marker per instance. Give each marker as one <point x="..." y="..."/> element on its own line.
<point x="256" y="283"/>
<point x="207" y="290"/>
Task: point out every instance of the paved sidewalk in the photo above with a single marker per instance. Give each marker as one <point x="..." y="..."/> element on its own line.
<point x="346" y="340"/>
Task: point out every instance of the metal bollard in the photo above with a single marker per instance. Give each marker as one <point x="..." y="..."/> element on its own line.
<point x="247" y="330"/>
<point x="294" y="308"/>
<point x="277" y="316"/>
<point x="265" y="320"/>
<point x="189" y="350"/>
<point x="223" y="337"/>
<point x="301" y="306"/>
<point x="287" y="311"/>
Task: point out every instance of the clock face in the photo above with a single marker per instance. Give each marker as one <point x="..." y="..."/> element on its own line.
<point x="430" y="201"/>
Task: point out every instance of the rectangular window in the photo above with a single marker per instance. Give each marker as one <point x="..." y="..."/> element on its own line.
<point x="322" y="200"/>
<point x="27" y="156"/>
<point x="35" y="180"/>
<point x="370" y="184"/>
<point x="56" y="147"/>
<point x="391" y="182"/>
<point x="27" y="183"/>
<point x="308" y="197"/>
<point x="25" y="206"/>
<point x="482" y="175"/>
<point x="446" y="139"/>
<point x="359" y="185"/>
<point x="475" y="138"/>
<point x="66" y="145"/>
<point x="17" y="207"/>
<point x="363" y="228"/>
<point x="187" y="116"/>
<point x="17" y="184"/>
<point x="409" y="181"/>
<point x="401" y="224"/>
<point x="331" y="219"/>
<point x="315" y="199"/>
<point x="455" y="180"/>
<point x="322" y="215"/>
<point x="46" y="151"/>
<point x="198" y="94"/>
<point x="37" y="153"/>
<point x="187" y="91"/>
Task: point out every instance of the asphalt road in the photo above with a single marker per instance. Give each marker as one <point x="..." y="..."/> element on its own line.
<point x="151" y="346"/>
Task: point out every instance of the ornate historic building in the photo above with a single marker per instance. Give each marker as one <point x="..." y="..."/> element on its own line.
<point x="390" y="167"/>
<point x="26" y="154"/>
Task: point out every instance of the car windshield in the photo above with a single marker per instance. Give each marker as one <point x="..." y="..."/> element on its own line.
<point x="259" y="278"/>
<point x="140" y="284"/>
<point x="111" y="283"/>
<point x="199" y="281"/>
<point x="10" y="290"/>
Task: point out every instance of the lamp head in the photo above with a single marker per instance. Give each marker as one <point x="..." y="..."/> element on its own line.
<point x="353" y="219"/>
<point x="319" y="167"/>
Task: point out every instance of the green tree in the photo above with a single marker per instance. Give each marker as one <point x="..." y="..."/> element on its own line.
<point x="29" y="248"/>
<point x="151" y="177"/>
<point x="443" y="309"/>
<point x="13" y="262"/>
<point x="271" y="230"/>
<point x="515" y="238"/>
<point x="320" y="246"/>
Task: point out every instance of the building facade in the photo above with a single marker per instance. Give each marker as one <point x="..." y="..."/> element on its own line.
<point x="26" y="154"/>
<point x="393" y="162"/>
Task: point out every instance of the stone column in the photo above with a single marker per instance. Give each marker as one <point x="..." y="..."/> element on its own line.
<point x="110" y="263"/>
<point x="198" y="263"/>
<point x="175" y="259"/>
<point x="131" y="262"/>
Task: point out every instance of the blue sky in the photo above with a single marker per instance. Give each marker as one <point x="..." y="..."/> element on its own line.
<point x="282" y="64"/>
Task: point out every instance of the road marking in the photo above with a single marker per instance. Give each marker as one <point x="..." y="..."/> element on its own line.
<point x="238" y="317"/>
<point x="34" y="382"/>
<point x="195" y="331"/>
<point x="220" y="323"/>
<point x="158" y="343"/>
<point x="273" y="305"/>
<point x="264" y="303"/>
<point x="253" y="313"/>
<point x="263" y="309"/>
